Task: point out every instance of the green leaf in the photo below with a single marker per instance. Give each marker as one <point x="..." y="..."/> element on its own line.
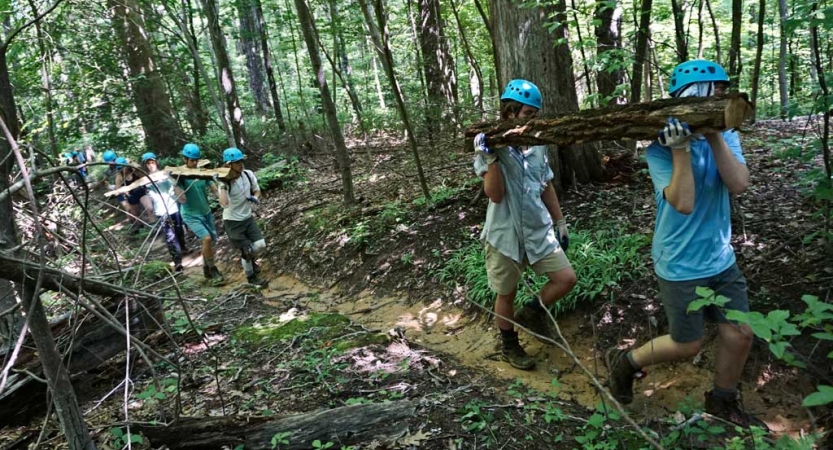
<point x="778" y="349"/>
<point x="596" y="420"/>
<point x="136" y="439"/>
<point x="823" y="396"/>
<point x="117" y="432"/>
<point x="704" y="292"/>
<point x="823" y="336"/>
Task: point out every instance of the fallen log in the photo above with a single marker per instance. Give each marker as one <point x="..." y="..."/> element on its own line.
<point x="637" y="121"/>
<point x="94" y="343"/>
<point x="349" y="425"/>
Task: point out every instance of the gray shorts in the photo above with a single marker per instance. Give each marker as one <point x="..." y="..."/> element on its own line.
<point x="677" y="295"/>
<point x="242" y="233"/>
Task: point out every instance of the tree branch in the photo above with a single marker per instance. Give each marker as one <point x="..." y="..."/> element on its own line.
<point x="14" y="33"/>
<point x="20" y="184"/>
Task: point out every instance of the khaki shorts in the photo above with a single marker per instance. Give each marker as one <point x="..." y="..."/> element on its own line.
<point x="504" y="273"/>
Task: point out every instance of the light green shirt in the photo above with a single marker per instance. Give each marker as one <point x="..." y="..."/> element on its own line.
<point x="520" y="225"/>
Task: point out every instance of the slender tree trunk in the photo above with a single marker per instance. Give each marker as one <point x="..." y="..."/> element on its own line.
<point x="200" y="115"/>
<point x="524" y="27"/>
<point x="587" y="78"/>
<point x="162" y="132"/>
<point x="825" y="138"/>
<point x="759" y="49"/>
<point x="298" y="70"/>
<point x="487" y="23"/>
<point x="46" y="83"/>
<point x="342" y="156"/>
<point x="700" y="5"/>
<point x="782" y="60"/>
<point x="716" y="32"/>
<point x="418" y="64"/>
<point x="641" y="53"/>
<point x="438" y="64"/>
<point x="226" y="81"/>
<point x="263" y="32"/>
<point x="608" y="19"/>
<point x="249" y="42"/>
<point x="735" y="63"/>
<point x="377" y="81"/>
<point x="379" y="35"/>
<point x="477" y="88"/>
<point x="679" y="31"/>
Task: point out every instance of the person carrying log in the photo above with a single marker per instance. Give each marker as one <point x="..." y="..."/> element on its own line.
<point x="237" y="195"/>
<point x="196" y="213"/>
<point x="693" y="175"/>
<point x="137" y="197"/>
<point x="164" y="195"/>
<point x="518" y="232"/>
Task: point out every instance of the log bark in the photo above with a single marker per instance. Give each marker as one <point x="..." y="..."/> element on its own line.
<point x="349" y="425"/>
<point x="179" y="171"/>
<point x="639" y="121"/>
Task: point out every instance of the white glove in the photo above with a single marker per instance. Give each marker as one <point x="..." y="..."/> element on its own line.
<point x="675" y="134"/>
<point x="481" y="148"/>
<point x="561" y="234"/>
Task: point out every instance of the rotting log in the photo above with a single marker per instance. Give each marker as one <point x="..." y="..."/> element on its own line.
<point x="93" y="344"/>
<point x="382" y="423"/>
<point x="638" y="121"/>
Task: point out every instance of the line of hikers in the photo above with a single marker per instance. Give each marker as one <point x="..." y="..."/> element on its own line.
<point x="693" y="175"/>
<point x="175" y="203"/>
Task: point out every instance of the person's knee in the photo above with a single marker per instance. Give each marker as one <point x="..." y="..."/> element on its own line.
<point x="207" y="240"/>
<point x="686" y="350"/>
<point x="567" y="277"/>
<point x="738" y="336"/>
<point x="507" y="298"/>
<point x="258" y="245"/>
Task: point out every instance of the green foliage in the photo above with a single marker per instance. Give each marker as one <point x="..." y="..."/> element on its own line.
<point x="777" y="328"/>
<point x="154" y="270"/>
<point x="121" y="439"/>
<point x="476" y="419"/>
<point x="280" y="439"/>
<point x="280" y="176"/>
<point x="601" y="259"/>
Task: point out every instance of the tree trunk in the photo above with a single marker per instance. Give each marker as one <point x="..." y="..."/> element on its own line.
<point x="476" y="80"/>
<point x="46" y="83"/>
<point x="153" y="106"/>
<point x="734" y="45"/>
<point x="380" y="423"/>
<point x="199" y="114"/>
<point x="641" y="51"/>
<point x="262" y="30"/>
<point x="226" y="77"/>
<point x="379" y="35"/>
<point x="438" y="64"/>
<point x="342" y="156"/>
<point x="680" y="37"/>
<point x="782" y="59"/>
<point x="418" y="63"/>
<point x="522" y="27"/>
<point x="716" y="32"/>
<point x="298" y="72"/>
<point x="639" y="121"/>
<point x="249" y="42"/>
<point x="608" y="18"/>
<point x="759" y="49"/>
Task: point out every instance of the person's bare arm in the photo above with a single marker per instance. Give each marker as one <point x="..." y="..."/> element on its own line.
<point x="493" y="183"/>
<point x="680" y="193"/>
<point x="735" y="174"/>
<point x="550" y="199"/>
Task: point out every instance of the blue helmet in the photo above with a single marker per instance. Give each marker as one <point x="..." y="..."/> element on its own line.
<point x="524" y="92"/>
<point x="232" y="154"/>
<point x="109" y="156"/>
<point x="148" y="156"/>
<point x="191" y="151"/>
<point x="121" y="161"/>
<point x="695" y="71"/>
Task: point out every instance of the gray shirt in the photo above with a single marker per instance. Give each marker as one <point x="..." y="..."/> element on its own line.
<point x="520" y="225"/>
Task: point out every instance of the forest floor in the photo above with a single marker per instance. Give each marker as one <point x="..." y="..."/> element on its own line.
<point x="358" y="311"/>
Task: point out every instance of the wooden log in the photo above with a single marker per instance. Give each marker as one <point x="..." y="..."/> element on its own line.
<point x="95" y="342"/>
<point x="178" y="171"/>
<point x="348" y="425"/>
<point x="641" y="121"/>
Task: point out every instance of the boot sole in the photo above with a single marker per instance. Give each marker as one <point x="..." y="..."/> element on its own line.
<point x="609" y="383"/>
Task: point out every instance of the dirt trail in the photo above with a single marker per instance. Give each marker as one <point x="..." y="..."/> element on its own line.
<point x="446" y="328"/>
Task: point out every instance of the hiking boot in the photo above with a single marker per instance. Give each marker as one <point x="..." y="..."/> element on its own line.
<point x="178" y="268"/>
<point x="206" y="272"/>
<point x="215" y="273"/>
<point x="512" y="352"/>
<point x="255" y="267"/>
<point x="620" y="375"/>
<point x="733" y="411"/>
<point x="536" y="321"/>
<point x="253" y="279"/>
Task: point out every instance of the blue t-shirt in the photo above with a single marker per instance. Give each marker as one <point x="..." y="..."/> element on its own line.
<point x="698" y="245"/>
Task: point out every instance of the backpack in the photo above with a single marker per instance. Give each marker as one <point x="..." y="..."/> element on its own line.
<point x="247" y="172"/>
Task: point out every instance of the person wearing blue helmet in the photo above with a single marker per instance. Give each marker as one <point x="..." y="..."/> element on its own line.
<point x="693" y="175"/>
<point x="524" y="227"/>
<point x="136" y="200"/>
<point x="237" y="195"/>
<point x="196" y="212"/>
<point x="165" y="196"/>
